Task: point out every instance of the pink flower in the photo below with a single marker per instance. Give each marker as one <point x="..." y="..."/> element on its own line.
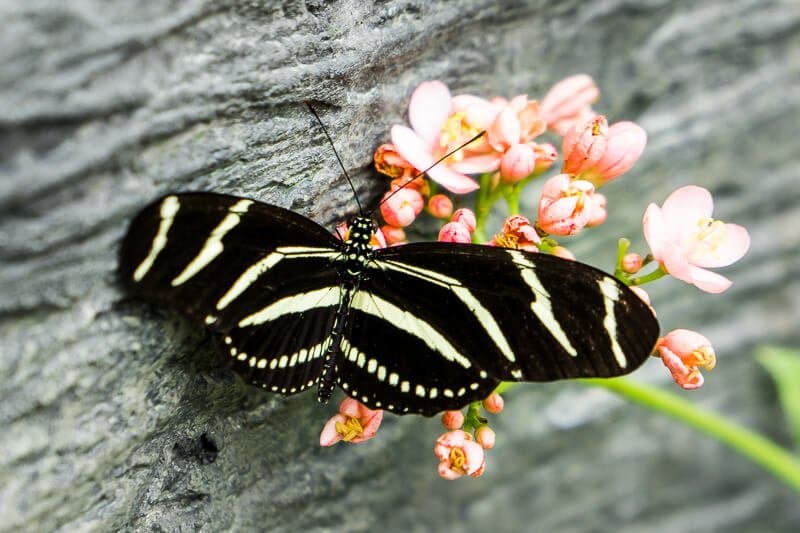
<point x="682" y="351"/>
<point x="401" y="207"/>
<point x="441" y="124"/>
<point x="517" y="122"/>
<point x="354" y="422"/>
<point x="595" y="152"/>
<point x="485" y="436"/>
<point x="584" y="145"/>
<point x="519" y="233"/>
<point x="455" y="232"/>
<point x="458" y="455"/>
<point x="569" y="101"/>
<point x="565" y="206"/>
<point x="624" y="145"/>
<point x="453" y="419"/>
<point x="493" y="403"/>
<point x="517" y="163"/>
<point x="685" y="240"/>
<point x="466" y="217"/>
<point x="440" y="206"/>
<point x="641" y="293"/>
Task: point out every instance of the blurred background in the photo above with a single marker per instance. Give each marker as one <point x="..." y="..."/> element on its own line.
<point x="118" y="415"/>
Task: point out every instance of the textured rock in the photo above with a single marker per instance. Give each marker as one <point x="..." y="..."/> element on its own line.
<point x="117" y="415"/>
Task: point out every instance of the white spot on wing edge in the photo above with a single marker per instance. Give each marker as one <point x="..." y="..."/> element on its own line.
<point x="169" y="208"/>
<point x="610" y="292"/>
<point x="213" y="245"/>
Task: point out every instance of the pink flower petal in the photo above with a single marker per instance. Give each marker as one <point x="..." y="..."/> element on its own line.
<point x="655" y="231"/>
<point x="685" y="206"/>
<point x="708" y="281"/>
<point x="505" y="130"/>
<point x="477" y="164"/>
<point x="451" y="180"/>
<point x="428" y="110"/>
<point x="675" y="262"/>
<point x="411" y="147"/>
<point x="735" y="245"/>
<point x="329" y="436"/>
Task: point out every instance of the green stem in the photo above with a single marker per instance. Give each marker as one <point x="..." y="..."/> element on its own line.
<point x="512" y="198"/>
<point x="758" y="449"/>
<point x="652" y="276"/>
<point x="622" y="249"/>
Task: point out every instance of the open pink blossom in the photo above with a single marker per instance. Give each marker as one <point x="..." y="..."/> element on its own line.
<point x="566" y="205"/>
<point x="519" y="233"/>
<point x="438" y="127"/>
<point x="458" y="455"/>
<point x="355" y="422"/>
<point x="569" y="101"/>
<point x="683" y="352"/>
<point x="686" y="241"/>
<point x="401" y="207"/>
<point x="390" y="163"/>
<point x="518" y="122"/>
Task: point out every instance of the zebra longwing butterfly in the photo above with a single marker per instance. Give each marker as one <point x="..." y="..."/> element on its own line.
<point x="418" y="328"/>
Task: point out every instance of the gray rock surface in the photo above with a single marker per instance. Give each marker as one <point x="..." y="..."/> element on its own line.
<point x="118" y="415"/>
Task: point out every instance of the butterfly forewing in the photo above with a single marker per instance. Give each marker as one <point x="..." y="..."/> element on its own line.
<point x="522" y="316"/>
<point x="258" y="275"/>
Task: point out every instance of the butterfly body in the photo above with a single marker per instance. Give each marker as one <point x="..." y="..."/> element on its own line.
<point x="418" y="328"/>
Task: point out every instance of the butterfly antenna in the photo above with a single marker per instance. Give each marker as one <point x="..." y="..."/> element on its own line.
<point x="339" y="159"/>
<point x="415" y="176"/>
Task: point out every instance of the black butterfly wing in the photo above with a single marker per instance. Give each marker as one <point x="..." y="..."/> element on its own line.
<point x="511" y="315"/>
<point x="395" y="358"/>
<point x="259" y="275"/>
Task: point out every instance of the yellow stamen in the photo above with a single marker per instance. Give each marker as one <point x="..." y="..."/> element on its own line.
<point x="454" y="132"/>
<point x="350" y="429"/>
<point x="458" y="460"/>
<point x="703" y="356"/>
<point x="711" y="232"/>
<point x="506" y="241"/>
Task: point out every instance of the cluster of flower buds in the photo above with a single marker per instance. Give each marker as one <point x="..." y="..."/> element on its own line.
<point x="684" y="240"/>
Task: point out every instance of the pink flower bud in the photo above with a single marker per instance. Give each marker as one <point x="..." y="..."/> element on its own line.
<point x="584" y="145"/>
<point x="453" y="419"/>
<point x="517" y="163"/>
<point x="565" y="206"/>
<point x="493" y="403"/>
<point x="631" y="263"/>
<point x="455" y="232"/>
<point x="466" y="217"/>
<point x="485" y="436"/>
<point x="401" y="208"/>
<point x="440" y="206"/>
<point x="568" y="101"/>
<point x="682" y="351"/>
<point x="393" y="234"/>
<point x="624" y="146"/>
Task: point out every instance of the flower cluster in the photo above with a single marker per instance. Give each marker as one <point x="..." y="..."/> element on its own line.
<point x="493" y="147"/>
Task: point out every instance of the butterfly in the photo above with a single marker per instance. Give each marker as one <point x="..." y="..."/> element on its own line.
<point x="418" y="328"/>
